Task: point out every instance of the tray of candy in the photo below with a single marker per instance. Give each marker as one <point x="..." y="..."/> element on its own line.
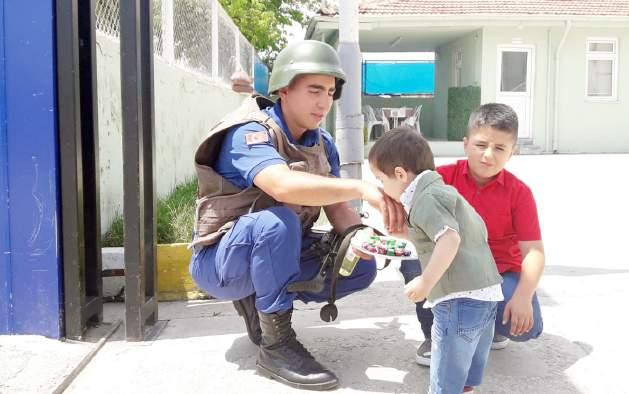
<point x="385" y="246"/>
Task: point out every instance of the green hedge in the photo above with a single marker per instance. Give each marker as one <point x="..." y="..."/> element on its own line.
<point x="175" y="218"/>
<point x="461" y="102"/>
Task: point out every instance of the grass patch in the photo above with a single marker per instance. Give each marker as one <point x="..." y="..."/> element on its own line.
<point x="175" y="218"/>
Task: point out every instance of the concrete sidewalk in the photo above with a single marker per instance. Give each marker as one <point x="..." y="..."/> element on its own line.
<point x="203" y="347"/>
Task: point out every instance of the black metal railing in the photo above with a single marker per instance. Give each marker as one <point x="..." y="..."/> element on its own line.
<point x="78" y="156"/>
<point x="138" y="135"/>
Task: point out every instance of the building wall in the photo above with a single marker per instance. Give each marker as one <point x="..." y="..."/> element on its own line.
<point x="587" y="126"/>
<point x="582" y="125"/>
<point x="471" y="49"/>
<point x="538" y="38"/>
<point x="187" y="105"/>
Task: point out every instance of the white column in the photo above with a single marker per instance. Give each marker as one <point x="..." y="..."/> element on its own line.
<point x="237" y="64"/>
<point x="349" y="119"/>
<point x="215" y="10"/>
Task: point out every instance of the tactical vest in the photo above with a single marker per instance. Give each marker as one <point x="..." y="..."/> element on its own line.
<point x="219" y="202"/>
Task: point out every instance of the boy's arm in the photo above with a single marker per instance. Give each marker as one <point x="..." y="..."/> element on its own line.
<point x="446" y="248"/>
<point x="520" y="309"/>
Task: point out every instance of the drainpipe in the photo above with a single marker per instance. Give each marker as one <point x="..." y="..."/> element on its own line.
<point x="349" y="119"/>
<point x="556" y="86"/>
<point x="549" y="91"/>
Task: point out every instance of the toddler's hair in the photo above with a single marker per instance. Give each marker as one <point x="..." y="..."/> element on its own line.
<point x="402" y="147"/>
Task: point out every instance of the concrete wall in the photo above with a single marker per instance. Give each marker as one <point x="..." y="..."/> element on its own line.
<point x="470" y="47"/>
<point x="186" y="106"/>
<point x="587" y="126"/>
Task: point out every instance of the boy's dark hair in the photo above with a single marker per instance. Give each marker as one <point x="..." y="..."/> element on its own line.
<point x="498" y="116"/>
<point x="402" y="147"/>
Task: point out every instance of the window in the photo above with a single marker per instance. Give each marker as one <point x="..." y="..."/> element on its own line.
<point x="514" y="71"/>
<point x="601" y="68"/>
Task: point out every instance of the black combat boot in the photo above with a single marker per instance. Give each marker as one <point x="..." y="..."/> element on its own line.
<point x="246" y="308"/>
<point x="284" y="358"/>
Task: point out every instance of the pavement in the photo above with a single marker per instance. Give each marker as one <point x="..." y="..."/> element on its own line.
<point x="202" y="346"/>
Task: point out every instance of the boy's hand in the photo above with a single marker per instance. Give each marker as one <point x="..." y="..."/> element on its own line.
<point x="520" y="311"/>
<point x="416" y="290"/>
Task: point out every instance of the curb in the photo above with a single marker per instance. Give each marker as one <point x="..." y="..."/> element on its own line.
<point x="65" y="383"/>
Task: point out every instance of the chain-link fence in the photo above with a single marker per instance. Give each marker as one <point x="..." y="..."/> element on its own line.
<point x="108" y="17"/>
<point x="196" y="34"/>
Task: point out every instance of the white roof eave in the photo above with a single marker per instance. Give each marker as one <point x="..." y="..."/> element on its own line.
<point x="372" y="22"/>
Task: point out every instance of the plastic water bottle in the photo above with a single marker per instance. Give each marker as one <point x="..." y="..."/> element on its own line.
<point x="351" y="259"/>
<point x="349" y="262"/>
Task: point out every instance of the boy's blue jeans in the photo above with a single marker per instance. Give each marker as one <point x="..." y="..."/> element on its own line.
<point x="462" y="332"/>
<point x="411" y="269"/>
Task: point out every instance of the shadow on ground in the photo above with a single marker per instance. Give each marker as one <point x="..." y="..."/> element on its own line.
<point x="382" y="360"/>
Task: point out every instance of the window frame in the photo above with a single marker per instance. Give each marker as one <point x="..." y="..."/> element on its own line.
<point x="613" y="56"/>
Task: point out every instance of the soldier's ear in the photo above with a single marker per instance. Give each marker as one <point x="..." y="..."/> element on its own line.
<point x="282" y="92"/>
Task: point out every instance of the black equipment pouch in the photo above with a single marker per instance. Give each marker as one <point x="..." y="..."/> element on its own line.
<point x="333" y="246"/>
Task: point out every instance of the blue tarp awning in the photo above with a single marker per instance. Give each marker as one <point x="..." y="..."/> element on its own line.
<point x="398" y="78"/>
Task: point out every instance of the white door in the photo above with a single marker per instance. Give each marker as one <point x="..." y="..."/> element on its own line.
<point x="515" y="84"/>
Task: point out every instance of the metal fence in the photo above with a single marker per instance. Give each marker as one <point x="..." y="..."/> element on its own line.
<point x="195" y="34"/>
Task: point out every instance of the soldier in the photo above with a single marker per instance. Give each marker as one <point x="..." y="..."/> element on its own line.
<point x="264" y="173"/>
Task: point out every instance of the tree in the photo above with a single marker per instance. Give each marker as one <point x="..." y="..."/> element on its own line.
<point x="264" y="22"/>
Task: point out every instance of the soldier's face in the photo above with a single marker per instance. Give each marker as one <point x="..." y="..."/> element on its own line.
<point x="307" y="100"/>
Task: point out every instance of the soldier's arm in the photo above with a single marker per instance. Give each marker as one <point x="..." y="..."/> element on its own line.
<point x="300" y="188"/>
<point x="341" y="216"/>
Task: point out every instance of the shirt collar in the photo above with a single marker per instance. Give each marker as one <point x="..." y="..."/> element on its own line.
<point x="406" y="198"/>
<point x="309" y="138"/>
<point x="500" y="178"/>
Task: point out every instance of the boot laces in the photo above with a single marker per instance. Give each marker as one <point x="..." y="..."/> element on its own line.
<point x="288" y="336"/>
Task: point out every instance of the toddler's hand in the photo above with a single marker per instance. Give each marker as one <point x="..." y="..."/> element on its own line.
<point x="416" y="290"/>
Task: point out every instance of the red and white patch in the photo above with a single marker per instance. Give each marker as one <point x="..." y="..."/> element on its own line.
<point x="256" y="138"/>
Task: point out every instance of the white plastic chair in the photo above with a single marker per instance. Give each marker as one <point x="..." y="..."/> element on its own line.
<point x="413" y="120"/>
<point x="372" y="121"/>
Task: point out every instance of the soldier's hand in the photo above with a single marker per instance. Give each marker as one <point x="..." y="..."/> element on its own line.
<point x="396" y="218"/>
<point x="393" y="214"/>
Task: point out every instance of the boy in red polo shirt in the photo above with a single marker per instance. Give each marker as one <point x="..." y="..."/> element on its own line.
<point x="508" y="208"/>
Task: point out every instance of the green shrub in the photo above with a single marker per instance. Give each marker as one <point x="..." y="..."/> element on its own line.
<point x="175" y="218"/>
<point x="461" y="102"/>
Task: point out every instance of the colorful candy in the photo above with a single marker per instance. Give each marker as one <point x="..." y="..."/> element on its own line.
<point x="386" y="246"/>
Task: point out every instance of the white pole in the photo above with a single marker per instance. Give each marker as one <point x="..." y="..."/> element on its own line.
<point x="168" y="31"/>
<point x="349" y="119"/>
<point x="215" y="11"/>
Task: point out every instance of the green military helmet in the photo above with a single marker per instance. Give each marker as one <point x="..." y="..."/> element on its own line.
<point x="306" y="57"/>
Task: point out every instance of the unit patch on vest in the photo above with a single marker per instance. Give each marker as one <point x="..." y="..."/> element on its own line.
<point x="256" y="138"/>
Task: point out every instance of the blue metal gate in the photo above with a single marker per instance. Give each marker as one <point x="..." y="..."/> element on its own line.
<point x="30" y="269"/>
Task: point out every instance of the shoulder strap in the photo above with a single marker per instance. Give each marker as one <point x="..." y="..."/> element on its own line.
<point x="249" y="111"/>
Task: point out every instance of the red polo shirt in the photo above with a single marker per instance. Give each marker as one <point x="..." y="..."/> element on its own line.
<point x="506" y="205"/>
